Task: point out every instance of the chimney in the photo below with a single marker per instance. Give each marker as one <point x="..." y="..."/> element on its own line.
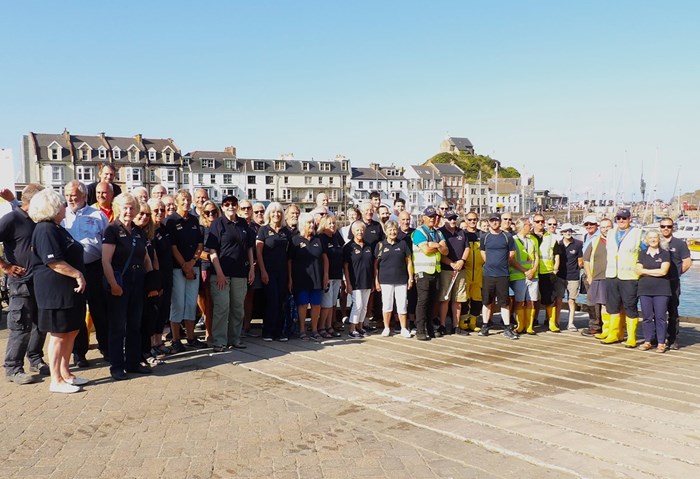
<point x="231" y="150"/>
<point x="138" y="137"/>
<point x="66" y="135"/>
<point x="374" y="166"/>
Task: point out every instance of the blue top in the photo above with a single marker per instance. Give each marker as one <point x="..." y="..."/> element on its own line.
<point x="87" y="226"/>
<point x="497" y="247"/>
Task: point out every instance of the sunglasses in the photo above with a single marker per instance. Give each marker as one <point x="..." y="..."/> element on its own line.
<point x="539" y="221"/>
<point x="590" y="224"/>
<point x="210" y="212"/>
<point x="229" y="203"/>
<point x="666" y="227"/>
<point x="246" y="207"/>
<point x="507" y="219"/>
<point x="620" y="218"/>
<point x="159" y="210"/>
<point x="472" y="219"/>
<point x="551" y="224"/>
<point x="261" y="212"/>
<point x="442" y="208"/>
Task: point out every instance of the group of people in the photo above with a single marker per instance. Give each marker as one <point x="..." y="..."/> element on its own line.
<point x="142" y="263"/>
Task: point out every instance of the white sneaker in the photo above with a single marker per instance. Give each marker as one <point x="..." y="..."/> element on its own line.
<point x="572" y="328"/>
<point x="63" y="388"/>
<point x="386" y="332"/>
<point x="345" y="319"/>
<point x="76" y="381"/>
<point x="405" y="333"/>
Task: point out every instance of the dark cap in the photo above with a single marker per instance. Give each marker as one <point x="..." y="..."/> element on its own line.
<point x="229" y="198"/>
<point x="451" y="215"/>
<point x="623" y="213"/>
<point x="429" y="211"/>
<point x="495" y="216"/>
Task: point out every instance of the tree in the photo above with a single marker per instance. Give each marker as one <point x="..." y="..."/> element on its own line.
<point x="473" y="164"/>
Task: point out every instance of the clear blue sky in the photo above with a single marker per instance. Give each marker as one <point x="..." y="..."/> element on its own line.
<point x="548" y="87"/>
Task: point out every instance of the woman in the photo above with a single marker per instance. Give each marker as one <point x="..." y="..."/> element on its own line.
<point x="332" y="244"/>
<point x="163" y="249"/>
<point x="59" y="283"/>
<point x="358" y="265"/>
<point x="271" y="245"/>
<point x="393" y="272"/>
<point x="230" y="244"/>
<point x="654" y="290"/>
<point x="125" y="263"/>
<point x="353" y="214"/>
<point x="305" y="274"/>
<point x="209" y="213"/>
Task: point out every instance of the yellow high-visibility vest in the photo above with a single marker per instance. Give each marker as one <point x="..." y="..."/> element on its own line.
<point x="524" y="254"/>
<point x="623" y="259"/>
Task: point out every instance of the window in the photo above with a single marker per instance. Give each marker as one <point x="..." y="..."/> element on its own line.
<point x="57" y="174"/>
<point x="269" y="180"/>
<point x="286" y="194"/>
<point x="251" y="179"/>
<point x="320" y="180"/>
<point x="134" y="156"/>
<point x="344" y="166"/>
<point x="309" y="195"/>
<point x="371" y="185"/>
<point x="251" y="194"/>
<point x="171" y="176"/>
<point x="230" y="164"/>
<point x="151" y="155"/>
<point x="258" y="166"/>
<point x="186" y="178"/>
<point x="360" y="185"/>
<point x="325" y="166"/>
<point x="186" y="162"/>
<point x="102" y="153"/>
<point x="227" y="192"/>
<point x="212" y="179"/>
<point x="133" y="175"/>
<point x="85" y="154"/>
<point x="169" y="156"/>
<point x="330" y="180"/>
<point x="228" y="179"/>
<point x="286" y="180"/>
<point x="207" y="163"/>
<point x="280" y="165"/>
<point x="152" y="176"/>
<point x="391" y="185"/>
<point x="55" y="153"/>
<point x="200" y="179"/>
<point x="270" y="194"/>
<point x="85" y="174"/>
<point x="379" y="185"/>
<point x="307" y="180"/>
<point x="304" y="166"/>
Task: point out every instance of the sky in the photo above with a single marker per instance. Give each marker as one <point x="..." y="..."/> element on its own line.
<point x="583" y="95"/>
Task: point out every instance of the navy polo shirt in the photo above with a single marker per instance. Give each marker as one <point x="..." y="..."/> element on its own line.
<point x="185" y="234"/>
<point x="391" y="262"/>
<point x="360" y="261"/>
<point x="374" y="233"/>
<point x="456" y="244"/>
<point x="406" y="237"/>
<point x="231" y="240"/>
<point x="118" y="235"/>
<point x="678" y="249"/>
<point x="275" y="245"/>
<point x="16" y="229"/>
<point x="163" y="246"/>
<point x="497" y="247"/>
<point x="651" y="285"/>
<point x="333" y="249"/>
<point x="569" y="268"/>
<point x="52" y="243"/>
<point x="307" y="263"/>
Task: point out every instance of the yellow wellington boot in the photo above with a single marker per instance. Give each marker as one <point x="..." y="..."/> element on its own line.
<point x="472" y="323"/>
<point x="605" y="318"/>
<point x="530" y="315"/>
<point x="553" y="320"/>
<point x="631" y="332"/>
<point x="615" y="334"/>
<point x="521" y="319"/>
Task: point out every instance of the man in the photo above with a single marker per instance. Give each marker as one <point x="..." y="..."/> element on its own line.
<point x="200" y="197"/>
<point x="322" y="200"/>
<point x="158" y="191"/>
<point x="595" y="260"/>
<point x="86" y="225"/>
<point x="245" y="212"/>
<point x="571" y="251"/>
<point x="384" y="215"/>
<point x="498" y="251"/>
<point x="474" y="269"/>
<point x="169" y="204"/>
<point x="523" y="277"/>
<point x="622" y="247"/>
<point x="375" y="199"/>
<point x="105" y="195"/>
<point x="548" y="268"/>
<point x="106" y="174"/>
<point x="16" y="229"/>
<point x="507" y="223"/>
<point x="291" y="216"/>
<point x="399" y="206"/>
<point x="374" y="233"/>
<point x="428" y="247"/>
<point x="405" y="232"/>
<point x="258" y="216"/>
<point x="442" y="208"/>
<point x="590" y="223"/>
<point x="452" y="272"/>
<point x="680" y="263"/>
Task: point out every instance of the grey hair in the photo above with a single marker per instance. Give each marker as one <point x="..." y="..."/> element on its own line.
<point x="45" y="205"/>
<point x="305" y="218"/>
<point x="123" y="199"/>
<point x="78" y="184"/>
<point x="391" y="224"/>
<point x="138" y="190"/>
<point x="271" y="208"/>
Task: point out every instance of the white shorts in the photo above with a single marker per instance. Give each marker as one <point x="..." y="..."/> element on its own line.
<point x="391" y="292"/>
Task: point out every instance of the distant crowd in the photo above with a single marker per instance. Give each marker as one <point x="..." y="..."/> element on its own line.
<point x="144" y="268"/>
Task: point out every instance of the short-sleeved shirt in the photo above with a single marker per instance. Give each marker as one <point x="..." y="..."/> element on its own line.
<point x="374" y="233"/>
<point x="391" y="262"/>
<point x="678" y="249"/>
<point x="568" y="265"/>
<point x="118" y="235"/>
<point x="163" y="246"/>
<point x="600" y="260"/>
<point x="650" y="285"/>
<point x="456" y="244"/>
<point x="185" y="234"/>
<point x="275" y="245"/>
<point x="52" y="243"/>
<point x="333" y="249"/>
<point x="87" y="226"/>
<point x="406" y="237"/>
<point x="307" y="263"/>
<point x="16" y="229"/>
<point x="497" y="247"/>
<point x="360" y="261"/>
<point x="231" y="240"/>
<point x="92" y="192"/>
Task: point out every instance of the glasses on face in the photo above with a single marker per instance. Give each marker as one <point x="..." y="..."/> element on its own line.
<point x="228" y="204"/>
<point x="451" y="219"/>
<point x="210" y="212"/>
<point x="590" y="224"/>
<point x="472" y="219"/>
<point x="245" y="207"/>
<point x="260" y="212"/>
<point x="551" y="224"/>
<point x="620" y="218"/>
<point x="666" y="227"/>
<point x="538" y="221"/>
<point x="159" y="210"/>
<point x="507" y="219"/>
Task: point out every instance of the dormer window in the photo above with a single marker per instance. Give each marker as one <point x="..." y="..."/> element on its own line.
<point x="134" y="156"/>
<point x="117" y="153"/>
<point x="325" y="166"/>
<point x="102" y="153"/>
<point x="305" y="166"/>
<point x="152" y="155"/>
<point x="85" y="154"/>
<point x="280" y="165"/>
<point x="344" y="165"/>
<point x="208" y="163"/>
<point x="258" y="166"/>
<point x="169" y="156"/>
<point x="54" y="151"/>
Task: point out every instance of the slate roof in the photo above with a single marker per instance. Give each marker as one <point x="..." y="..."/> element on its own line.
<point x="425" y="171"/>
<point x="292" y="167"/>
<point x="368" y="174"/>
<point x="448" y="169"/>
<point x="462" y="144"/>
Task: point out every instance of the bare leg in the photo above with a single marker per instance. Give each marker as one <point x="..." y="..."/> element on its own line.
<point x="444" y="306"/>
<point x="315" y="314"/>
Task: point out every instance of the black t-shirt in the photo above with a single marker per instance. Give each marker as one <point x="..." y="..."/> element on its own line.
<point x="231" y="240"/>
<point x="678" y="249"/>
<point x="92" y="192"/>
<point x="406" y="237"/>
<point x="391" y="262"/>
<point x="456" y="244"/>
<point x="568" y="263"/>
<point x="275" y="245"/>
<point x="185" y="234"/>
<point x="51" y="243"/>
<point x="497" y="247"/>
<point x="333" y="249"/>
<point x="650" y="285"/>
<point x="360" y="260"/>
<point x="116" y="234"/>
<point x="162" y="245"/>
<point x="16" y="229"/>
<point x="307" y="263"/>
<point x="374" y="233"/>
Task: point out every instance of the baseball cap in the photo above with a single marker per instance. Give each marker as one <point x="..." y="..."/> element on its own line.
<point x="590" y="219"/>
<point x="229" y="198"/>
<point x="623" y="213"/>
<point x="567" y="227"/>
<point x="451" y="215"/>
<point x="495" y="216"/>
<point x="430" y="211"/>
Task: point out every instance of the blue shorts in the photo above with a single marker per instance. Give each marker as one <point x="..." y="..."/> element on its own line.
<point x="309" y="296"/>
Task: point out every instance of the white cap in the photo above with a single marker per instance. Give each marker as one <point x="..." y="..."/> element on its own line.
<point x="567" y="226"/>
<point x="590" y="219"/>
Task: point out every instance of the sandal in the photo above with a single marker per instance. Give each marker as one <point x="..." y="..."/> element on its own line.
<point x="645" y="347"/>
<point x="661" y="348"/>
<point x="324" y="334"/>
<point x="153" y="361"/>
<point x="333" y="333"/>
<point x="167" y="350"/>
<point x="303" y="337"/>
<point x="315" y="336"/>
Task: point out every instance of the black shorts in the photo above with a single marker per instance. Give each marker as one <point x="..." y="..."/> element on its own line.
<point x="547" y="288"/>
<point x="621" y="293"/>
<point x="495" y="288"/>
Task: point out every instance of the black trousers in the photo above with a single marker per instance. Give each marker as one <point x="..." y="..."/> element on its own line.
<point x="276" y="294"/>
<point x="427" y="288"/>
<point x="96" y="300"/>
<point x="25" y="337"/>
<point x="673" y="319"/>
